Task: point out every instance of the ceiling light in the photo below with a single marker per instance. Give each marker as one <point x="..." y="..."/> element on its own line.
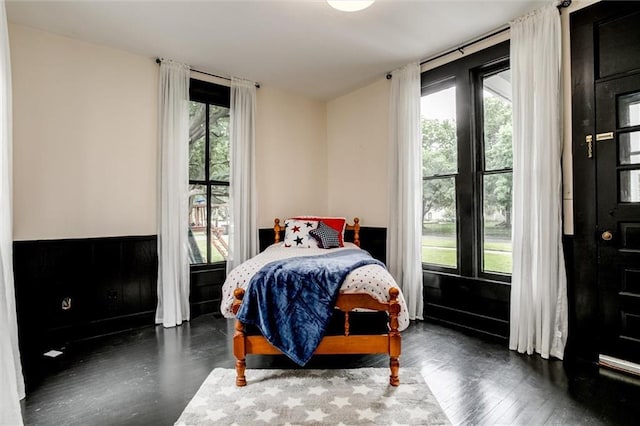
<point x="350" y="6"/>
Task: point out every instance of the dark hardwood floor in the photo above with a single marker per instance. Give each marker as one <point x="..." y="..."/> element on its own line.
<point x="147" y="376"/>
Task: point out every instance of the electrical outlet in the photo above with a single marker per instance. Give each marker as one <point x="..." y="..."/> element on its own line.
<point x="112" y="300"/>
<point x="66" y="303"/>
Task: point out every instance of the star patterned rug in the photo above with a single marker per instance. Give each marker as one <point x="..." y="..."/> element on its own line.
<point x="360" y="396"/>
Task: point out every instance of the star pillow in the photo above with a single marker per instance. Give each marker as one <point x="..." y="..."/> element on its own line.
<point x="326" y="236"/>
<point x="296" y="233"/>
<point x="337" y="223"/>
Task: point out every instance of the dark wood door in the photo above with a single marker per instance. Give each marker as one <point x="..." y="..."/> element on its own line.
<point x="617" y="143"/>
<point x="605" y="43"/>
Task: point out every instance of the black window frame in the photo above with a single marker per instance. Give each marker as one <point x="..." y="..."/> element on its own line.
<point x="209" y="94"/>
<point x="479" y="75"/>
<point x="466" y="74"/>
<point x="434" y="87"/>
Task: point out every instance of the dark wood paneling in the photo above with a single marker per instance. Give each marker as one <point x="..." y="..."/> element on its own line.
<point x="479" y="305"/>
<point x="266" y="237"/>
<point x="472" y="304"/>
<point x="206" y="288"/>
<point x="372" y="239"/>
<point x="112" y="285"/>
<point x="109" y="282"/>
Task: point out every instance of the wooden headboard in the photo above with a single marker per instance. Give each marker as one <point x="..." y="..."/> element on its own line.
<point x="355" y="228"/>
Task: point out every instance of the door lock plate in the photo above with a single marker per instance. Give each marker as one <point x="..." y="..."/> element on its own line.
<point x="604" y="136"/>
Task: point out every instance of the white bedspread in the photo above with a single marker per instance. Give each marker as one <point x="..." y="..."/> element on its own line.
<point x="371" y="279"/>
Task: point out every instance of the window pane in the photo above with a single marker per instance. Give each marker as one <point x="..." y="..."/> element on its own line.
<point x="629" y="110"/>
<point x="219" y="223"/>
<point x="496" y="214"/>
<point x="497" y="121"/>
<point x="630" y="186"/>
<point x="629" y="150"/>
<point x="197" y="129"/>
<point x="219" y="143"/>
<point x="439" y="230"/>
<point x="439" y="138"/>
<point x="197" y="224"/>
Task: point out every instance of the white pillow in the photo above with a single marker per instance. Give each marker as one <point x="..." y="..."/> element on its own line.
<point x="296" y="233"/>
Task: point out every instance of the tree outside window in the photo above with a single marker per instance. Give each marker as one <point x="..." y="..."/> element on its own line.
<point x="467" y="171"/>
<point x="208" y="173"/>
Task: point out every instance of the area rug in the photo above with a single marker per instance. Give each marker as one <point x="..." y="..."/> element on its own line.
<point x="359" y="396"/>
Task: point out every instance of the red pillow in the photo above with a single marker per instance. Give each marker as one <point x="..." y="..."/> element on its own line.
<point x="337" y="223"/>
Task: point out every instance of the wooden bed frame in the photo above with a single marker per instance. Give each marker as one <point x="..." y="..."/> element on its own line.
<point x="387" y="343"/>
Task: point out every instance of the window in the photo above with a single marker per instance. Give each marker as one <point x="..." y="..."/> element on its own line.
<point x="467" y="166"/>
<point x="208" y="172"/>
<point x="496" y="173"/>
<point x="439" y="170"/>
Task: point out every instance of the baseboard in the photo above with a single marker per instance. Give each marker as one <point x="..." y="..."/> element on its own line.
<point x="478" y="324"/>
<point x="619" y="364"/>
<point x="206" y="307"/>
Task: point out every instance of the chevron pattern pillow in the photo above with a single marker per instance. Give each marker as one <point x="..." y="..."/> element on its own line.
<point x="337" y="223"/>
<point x="326" y="236"/>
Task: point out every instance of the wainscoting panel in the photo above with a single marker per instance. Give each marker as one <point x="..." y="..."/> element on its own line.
<point x="206" y="288"/>
<point x="73" y="289"/>
<point x="480" y="306"/>
<point x="372" y="239"/>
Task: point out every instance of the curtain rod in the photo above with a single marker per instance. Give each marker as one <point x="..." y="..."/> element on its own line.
<point x="561" y="4"/>
<point x="159" y="61"/>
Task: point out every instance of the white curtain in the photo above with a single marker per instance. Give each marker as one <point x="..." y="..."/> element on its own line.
<point x="11" y="380"/>
<point x="243" y="231"/>
<point x="173" y="196"/>
<point x="539" y="283"/>
<point x="405" y="187"/>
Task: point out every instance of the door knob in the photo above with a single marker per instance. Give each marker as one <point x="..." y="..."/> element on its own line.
<point x="607" y="236"/>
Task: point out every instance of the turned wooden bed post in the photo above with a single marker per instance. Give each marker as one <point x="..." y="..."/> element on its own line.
<point x="356" y="231"/>
<point x="239" y="350"/>
<point x="394" y="337"/>
<point x="276" y="230"/>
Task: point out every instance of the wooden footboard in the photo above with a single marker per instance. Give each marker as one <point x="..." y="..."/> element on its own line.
<point x="387" y="343"/>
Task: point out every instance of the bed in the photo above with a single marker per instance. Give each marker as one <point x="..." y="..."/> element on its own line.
<point x="367" y="288"/>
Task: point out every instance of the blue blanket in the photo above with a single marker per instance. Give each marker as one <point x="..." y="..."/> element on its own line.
<point x="292" y="300"/>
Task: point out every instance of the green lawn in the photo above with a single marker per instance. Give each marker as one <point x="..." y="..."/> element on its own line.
<point x="442" y="251"/>
<point x="438" y="250"/>
<point x="497" y="262"/>
<point x="201" y="241"/>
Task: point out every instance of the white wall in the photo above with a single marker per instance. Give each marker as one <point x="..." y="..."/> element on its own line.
<point x="85" y="143"/>
<point x="84" y="157"/>
<point x="84" y="150"/>
<point x="357" y="137"/>
<point x="291" y="156"/>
